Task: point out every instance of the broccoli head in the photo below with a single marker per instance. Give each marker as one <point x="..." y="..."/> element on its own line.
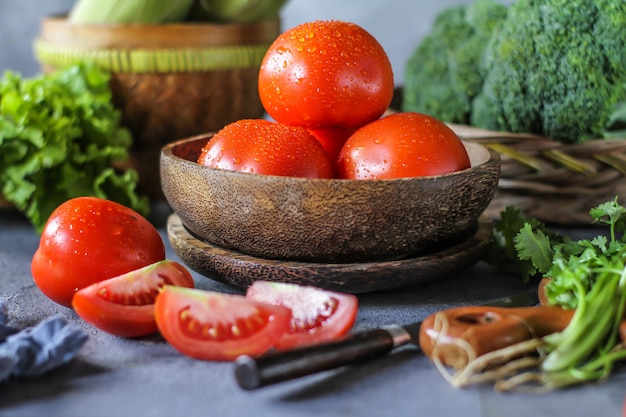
<point x="555" y="67"/>
<point x="442" y="76"/>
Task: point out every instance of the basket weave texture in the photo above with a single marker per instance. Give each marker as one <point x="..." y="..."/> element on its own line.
<point x="554" y="182"/>
<point x="169" y="81"/>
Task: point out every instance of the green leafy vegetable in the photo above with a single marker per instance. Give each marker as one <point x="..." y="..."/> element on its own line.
<point x="536" y="253"/>
<point x="235" y="11"/>
<point x="551" y="67"/>
<point x="60" y="137"/>
<point x="588" y="275"/>
<point x="443" y="74"/>
<point x="130" y="11"/>
<point x="541" y="77"/>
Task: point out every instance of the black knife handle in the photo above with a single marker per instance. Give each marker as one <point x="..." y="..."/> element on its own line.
<point x="252" y="373"/>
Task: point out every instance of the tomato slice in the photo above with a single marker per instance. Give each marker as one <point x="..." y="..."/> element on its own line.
<point x="214" y="326"/>
<point x="318" y="315"/>
<point x="124" y="305"/>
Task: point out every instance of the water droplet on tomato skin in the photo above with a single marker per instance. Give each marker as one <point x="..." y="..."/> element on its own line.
<point x="116" y="230"/>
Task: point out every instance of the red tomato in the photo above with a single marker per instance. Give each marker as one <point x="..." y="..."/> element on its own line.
<point x="317" y="315"/>
<point x="124" y="305"/>
<point x="332" y="139"/>
<point x="402" y="145"/>
<point x="326" y="74"/>
<point x="89" y="239"/>
<point x="214" y="326"/>
<point x="262" y="147"/>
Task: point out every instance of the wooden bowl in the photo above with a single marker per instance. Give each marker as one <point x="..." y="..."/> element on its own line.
<point x="322" y="220"/>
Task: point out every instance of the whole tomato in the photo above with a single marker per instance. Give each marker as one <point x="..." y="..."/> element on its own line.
<point x="326" y="74"/>
<point x="89" y="239"/>
<point x="402" y="145"/>
<point x="262" y="147"/>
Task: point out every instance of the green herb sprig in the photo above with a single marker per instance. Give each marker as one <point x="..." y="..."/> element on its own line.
<point x="588" y="275"/>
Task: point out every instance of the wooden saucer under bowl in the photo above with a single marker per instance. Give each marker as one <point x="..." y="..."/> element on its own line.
<point x="242" y="270"/>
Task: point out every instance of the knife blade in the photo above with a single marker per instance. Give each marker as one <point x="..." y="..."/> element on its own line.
<point x="253" y="373"/>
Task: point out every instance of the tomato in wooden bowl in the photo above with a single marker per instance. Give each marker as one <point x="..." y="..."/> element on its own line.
<point x="291" y="195"/>
<point x="325" y="219"/>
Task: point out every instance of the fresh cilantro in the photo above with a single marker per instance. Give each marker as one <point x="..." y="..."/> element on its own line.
<point x="505" y="253"/>
<point x="534" y="245"/>
<point x="60" y="137"/>
<point x="588" y="275"/>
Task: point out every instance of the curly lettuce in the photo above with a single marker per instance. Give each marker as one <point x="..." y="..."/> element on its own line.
<point x="61" y="137"/>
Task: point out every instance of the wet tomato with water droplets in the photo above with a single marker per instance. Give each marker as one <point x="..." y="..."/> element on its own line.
<point x="326" y="74"/>
<point x="332" y="139"/>
<point x="260" y="146"/>
<point x="317" y="315"/>
<point x="89" y="239"/>
<point x="124" y="305"/>
<point x="214" y="326"/>
<point x="402" y="145"/>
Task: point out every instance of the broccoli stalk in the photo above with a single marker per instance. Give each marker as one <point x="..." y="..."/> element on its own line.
<point x="555" y="67"/>
<point x="442" y="76"/>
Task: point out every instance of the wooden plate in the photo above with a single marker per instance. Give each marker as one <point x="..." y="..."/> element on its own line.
<point x="242" y="270"/>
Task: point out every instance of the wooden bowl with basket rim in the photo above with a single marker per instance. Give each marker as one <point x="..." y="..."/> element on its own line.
<point x="326" y="220"/>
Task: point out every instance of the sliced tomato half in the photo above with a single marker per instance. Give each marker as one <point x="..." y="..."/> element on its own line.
<point x="124" y="305"/>
<point x="215" y="326"/>
<point x="317" y="315"/>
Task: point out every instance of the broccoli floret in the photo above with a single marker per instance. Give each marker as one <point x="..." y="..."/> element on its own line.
<point x="555" y="67"/>
<point x="442" y="76"/>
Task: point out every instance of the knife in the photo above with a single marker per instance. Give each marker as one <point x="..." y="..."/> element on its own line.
<point x="253" y="373"/>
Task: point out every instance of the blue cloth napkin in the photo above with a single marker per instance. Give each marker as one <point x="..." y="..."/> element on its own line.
<point x="36" y="350"/>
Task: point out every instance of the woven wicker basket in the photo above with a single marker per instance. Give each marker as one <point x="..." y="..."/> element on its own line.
<point x="554" y="182"/>
<point x="170" y="81"/>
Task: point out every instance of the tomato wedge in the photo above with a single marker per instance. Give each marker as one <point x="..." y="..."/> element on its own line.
<point x="215" y="326"/>
<point x="124" y="305"/>
<point x="317" y="315"/>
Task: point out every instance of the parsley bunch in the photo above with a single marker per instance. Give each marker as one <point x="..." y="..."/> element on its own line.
<point x="588" y="275"/>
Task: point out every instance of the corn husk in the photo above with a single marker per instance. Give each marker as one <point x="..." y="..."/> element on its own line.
<point x="130" y="11"/>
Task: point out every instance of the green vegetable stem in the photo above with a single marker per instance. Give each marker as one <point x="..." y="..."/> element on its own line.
<point x="588" y="275"/>
<point x="60" y="137"/>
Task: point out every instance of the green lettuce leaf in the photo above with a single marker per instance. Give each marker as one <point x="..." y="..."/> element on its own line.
<point x="60" y="137"/>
